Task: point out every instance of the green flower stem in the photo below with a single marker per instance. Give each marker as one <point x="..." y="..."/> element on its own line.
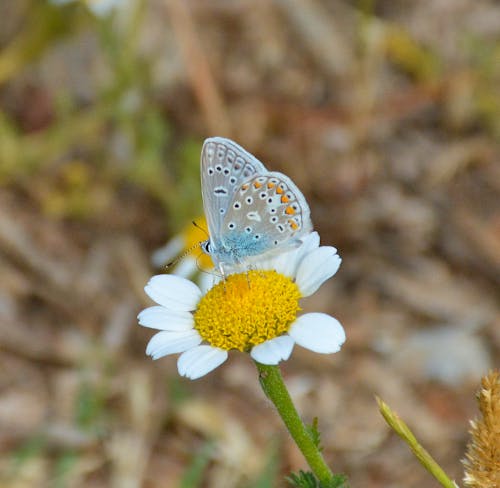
<point x="275" y="389"/>
<point x="420" y="453"/>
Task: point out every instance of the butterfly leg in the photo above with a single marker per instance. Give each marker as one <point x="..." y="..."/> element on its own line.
<point x="222" y="272"/>
<point x="249" y="268"/>
<point x="223" y="275"/>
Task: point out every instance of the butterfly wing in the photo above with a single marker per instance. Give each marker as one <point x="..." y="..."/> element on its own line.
<point x="266" y="212"/>
<point x="224" y="166"/>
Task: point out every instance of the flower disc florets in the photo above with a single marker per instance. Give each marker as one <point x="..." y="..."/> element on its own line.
<point x="247" y="309"/>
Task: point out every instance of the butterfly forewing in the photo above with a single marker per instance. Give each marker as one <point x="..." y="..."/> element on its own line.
<point x="224" y="167"/>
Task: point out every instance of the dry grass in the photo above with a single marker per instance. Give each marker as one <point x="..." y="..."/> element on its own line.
<point x="387" y="116"/>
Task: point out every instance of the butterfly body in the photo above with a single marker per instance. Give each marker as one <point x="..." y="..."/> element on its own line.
<point x="250" y="211"/>
<point x="236" y="247"/>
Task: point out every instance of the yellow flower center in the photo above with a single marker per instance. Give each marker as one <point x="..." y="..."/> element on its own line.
<point x="247" y="309"/>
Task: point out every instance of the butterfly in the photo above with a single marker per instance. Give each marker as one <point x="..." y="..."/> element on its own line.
<point x="250" y="211"/>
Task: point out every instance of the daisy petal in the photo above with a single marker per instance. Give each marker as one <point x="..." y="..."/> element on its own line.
<point x="188" y="266"/>
<point x="310" y="242"/>
<point x="318" y="332"/>
<point x="273" y="350"/>
<point x="286" y="263"/>
<point x="207" y="281"/>
<point x="168" y="252"/>
<point x="199" y="361"/>
<point x="168" y="342"/>
<point x="173" y="292"/>
<point x="318" y="266"/>
<point x="161" y="318"/>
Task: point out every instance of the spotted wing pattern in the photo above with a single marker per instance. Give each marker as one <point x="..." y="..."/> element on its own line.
<point x="268" y="208"/>
<point x="224" y="166"/>
<point x="250" y="211"/>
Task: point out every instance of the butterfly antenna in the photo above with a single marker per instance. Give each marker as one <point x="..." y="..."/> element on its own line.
<point x="190" y="250"/>
<point x="186" y="253"/>
<point x="198" y="226"/>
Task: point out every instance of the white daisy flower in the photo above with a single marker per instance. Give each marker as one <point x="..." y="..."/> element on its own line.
<point x="254" y="311"/>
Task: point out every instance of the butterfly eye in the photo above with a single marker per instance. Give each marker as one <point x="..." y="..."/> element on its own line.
<point x="206" y="247"/>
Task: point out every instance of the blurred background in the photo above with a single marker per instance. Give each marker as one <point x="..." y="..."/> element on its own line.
<point x="387" y="116"/>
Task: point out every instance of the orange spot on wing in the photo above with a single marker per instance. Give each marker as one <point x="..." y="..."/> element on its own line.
<point x="284" y="199"/>
<point x="271" y="185"/>
<point x="244" y="187"/>
<point x="293" y="224"/>
<point x="289" y="210"/>
<point x="257" y="184"/>
<point x="279" y="190"/>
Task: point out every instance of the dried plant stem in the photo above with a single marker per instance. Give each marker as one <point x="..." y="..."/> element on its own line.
<point x="420" y="453"/>
<point x="198" y="70"/>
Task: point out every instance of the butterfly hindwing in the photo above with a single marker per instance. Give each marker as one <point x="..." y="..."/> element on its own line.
<point x="269" y="209"/>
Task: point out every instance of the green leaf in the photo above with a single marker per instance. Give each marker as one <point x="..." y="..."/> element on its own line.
<point x="314" y="433"/>
<point x="306" y="479"/>
<point x="338" y="481"/>
<point x="303" y="479"/>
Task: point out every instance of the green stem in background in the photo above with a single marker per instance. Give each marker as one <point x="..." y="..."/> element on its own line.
<point x="275" y="389"/>
<point x="420" y="453"/>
